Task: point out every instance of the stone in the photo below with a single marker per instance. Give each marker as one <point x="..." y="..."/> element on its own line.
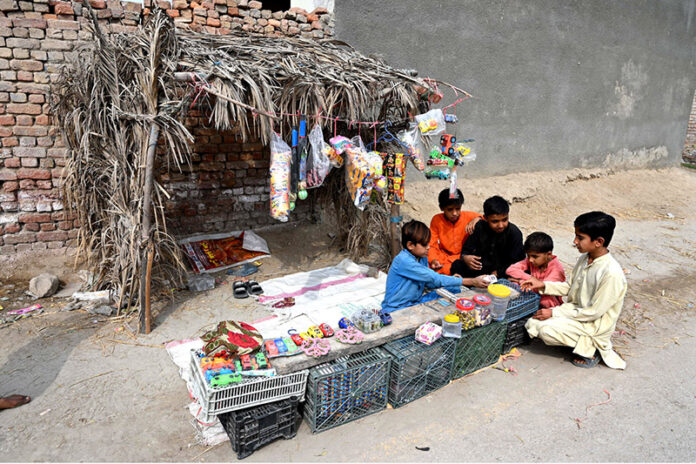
<point x="104" y="310"/>
<point x="43" y="285"/>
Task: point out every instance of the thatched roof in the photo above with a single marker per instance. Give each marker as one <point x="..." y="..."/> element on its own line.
<point x="124" y="88"/>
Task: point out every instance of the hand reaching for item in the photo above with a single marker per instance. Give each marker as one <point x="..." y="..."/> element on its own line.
<point x="533" y="284"/>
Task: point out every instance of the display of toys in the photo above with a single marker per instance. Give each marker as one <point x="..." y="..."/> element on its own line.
<point x="366" y="321"/>
<point x="217" y="362"/>
<point x="295" y="337"/>
<point x="316" y="347"/>
<point x="225" y="379"/>
<point x="271" y="348"/>
<point x="350" y="335"/>
<point x="427" y="126"/>
<point x="344" y="323"/>
<point x="451" y="118"/>
<point x="216" y="372"/>
<point x="447" y="142"/>
<point x="437" y="174"/>
<point x="326" y="330"/>
<point x="315" y="332"/>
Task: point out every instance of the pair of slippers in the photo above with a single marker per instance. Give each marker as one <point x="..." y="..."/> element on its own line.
<point x="244" y="289"/>
<point x="587" y="363"/>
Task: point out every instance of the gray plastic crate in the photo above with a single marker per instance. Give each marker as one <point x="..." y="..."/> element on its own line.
<point x="418" y="369"/>
<point x="347" y="389"/>
<point x="253" y="391"/>
<point x="478" y="348"/>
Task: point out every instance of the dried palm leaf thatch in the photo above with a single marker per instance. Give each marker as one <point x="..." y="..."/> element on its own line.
<point x="105" y="104"/>
<point x="124" y="88"/>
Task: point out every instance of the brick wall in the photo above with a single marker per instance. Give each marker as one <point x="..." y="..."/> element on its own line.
<point x="225" y="187"/>
<point x="690" y="142"/>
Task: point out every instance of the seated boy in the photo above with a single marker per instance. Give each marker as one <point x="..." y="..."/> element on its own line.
<point x="449" y="230"/>
<point x="409" y="273"/>
<point x="595" y="297"/>
<point x="495" y="244"/>
<point x="541" y="264"/>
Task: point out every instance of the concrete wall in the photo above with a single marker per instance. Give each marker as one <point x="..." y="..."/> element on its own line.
<point x="558" y="84"/>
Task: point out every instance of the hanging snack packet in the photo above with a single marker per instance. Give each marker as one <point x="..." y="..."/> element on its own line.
<point x="412" y="139"/>
<point x="280" y="178"/>
<point x="431" y="123"/>
<point x="318" y="163"/>
<point x="361" y="171"/>
<point x="339" y="143"/>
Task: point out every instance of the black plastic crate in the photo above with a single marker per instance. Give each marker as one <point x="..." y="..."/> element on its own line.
<point x="516" y="334"/>
<point x="253" y="428"/>
<point x="524" y="305"/>
<point x="418" y="369"/>
<point x="478" y="348"/>
<point x="347" y="389"/>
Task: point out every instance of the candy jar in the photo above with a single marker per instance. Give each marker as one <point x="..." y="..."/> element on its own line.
<point x="483" y="309"/>
<point x="466" y="309"/>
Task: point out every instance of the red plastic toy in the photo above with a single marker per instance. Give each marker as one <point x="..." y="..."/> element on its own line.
<point x="326" y="330"/>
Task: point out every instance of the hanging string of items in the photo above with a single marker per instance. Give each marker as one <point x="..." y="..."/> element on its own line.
<point x="305" y="163"/>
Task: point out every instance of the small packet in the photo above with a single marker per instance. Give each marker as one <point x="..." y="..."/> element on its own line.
<point x="428" y="333"/>
<point x="281" y="155"/>
<point x="339" y="143"/>
<point x="412" y="139"/>
<point x="318" y="163"/>
<point x="431" y="123"/>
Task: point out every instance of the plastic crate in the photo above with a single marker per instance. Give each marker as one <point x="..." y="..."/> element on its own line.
<point x="253" y="391"/>
<point x="347" y="389"/>
<point x="253" y="428"/>
<point x="418" y="369"/>
<point x="478" y="348"/>
<point x="524" y="305"/>
<point x="516" y="334"/>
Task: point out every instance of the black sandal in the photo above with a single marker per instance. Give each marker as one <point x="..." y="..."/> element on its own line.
<point x="254" y="288"/>
<point x="586" y="363"/>
<point x="240" y="290"/>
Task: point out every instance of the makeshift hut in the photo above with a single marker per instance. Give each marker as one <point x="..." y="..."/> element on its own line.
<point x="125" y="93"/>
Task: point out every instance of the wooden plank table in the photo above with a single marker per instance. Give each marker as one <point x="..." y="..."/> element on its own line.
<point x="405" y="322"/>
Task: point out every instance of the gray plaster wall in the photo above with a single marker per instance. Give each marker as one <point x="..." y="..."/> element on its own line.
<point x="557" y="84"/>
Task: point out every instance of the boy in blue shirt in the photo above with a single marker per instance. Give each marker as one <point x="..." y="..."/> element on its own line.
<point x="410" y="275"/>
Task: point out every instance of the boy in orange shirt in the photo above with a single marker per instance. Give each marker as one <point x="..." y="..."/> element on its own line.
<point x="449" y="230"/>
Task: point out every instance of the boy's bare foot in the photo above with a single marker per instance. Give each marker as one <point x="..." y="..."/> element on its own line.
<point x="13" y="401"/>
<point x="587" y="363"/>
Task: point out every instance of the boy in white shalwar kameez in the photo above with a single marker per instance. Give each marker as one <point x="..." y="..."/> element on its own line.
<point x="595" y="297"/>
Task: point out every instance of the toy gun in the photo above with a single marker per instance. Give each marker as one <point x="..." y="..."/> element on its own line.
<point x="217" y="362"/>
<point x="302" y="147"/>
<point x="209" y="374"/>
<point x="225" y="379"/>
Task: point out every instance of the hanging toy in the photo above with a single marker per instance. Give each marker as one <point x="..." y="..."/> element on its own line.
<point x="302" y="150"/>
<point x="294" y="171"/>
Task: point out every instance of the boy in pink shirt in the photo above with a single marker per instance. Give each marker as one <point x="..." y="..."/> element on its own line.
<point x="539" y="263"/>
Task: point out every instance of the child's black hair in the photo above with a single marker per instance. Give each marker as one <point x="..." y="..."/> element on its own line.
<point x="415" y="232"/>
<point x="495" y="205"/>
<point x="596" y="224"/>
<point x="444" y="199"/>
<point x="538" y="242"/>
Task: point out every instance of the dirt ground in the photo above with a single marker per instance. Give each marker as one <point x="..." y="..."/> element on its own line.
<point x="101" y="393"/>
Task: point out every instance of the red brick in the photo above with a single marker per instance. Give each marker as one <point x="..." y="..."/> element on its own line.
<point x="30" y="162"/>
<point x="27" y="22"/>
<point x="23" y="108"/>
<point x="64" y="8"/>
<point x="27" y="65"/>
<point x="173" y="13"/>
<point x="97" y="4"/>
<point x="65" y="225"/>
<point x="31" y="228"/>
<point x="34" y="217"/>
<point x="27" y="184"/>
<point x="30" y="152"/>
<point x="212" y="22"/>
<point x="44" y="184"/>
<point x="10" y="186"/>
<point x="24" y="120"/>
<point x="12" y="228"/>
<point x="43" y="120"/>
<point x="13" y="163"/>
<point x="35" y="131"/>
<point x="10" y="142"/>
<point x="27" y="173"/>
<point x="52" y="236"/>
<point x="48" y="227"/>
<point x="7" y="120"/>
<point x="27" y="237"/>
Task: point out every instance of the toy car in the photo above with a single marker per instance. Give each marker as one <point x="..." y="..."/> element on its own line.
<point x="246" y="362"/>
<point x="385" y="318"/>
<point x="224" y="380"/>
<point x="280" y="344"/>
<point x="447" y="142"/>
<point x="315" y="332"/>
<point x="271" y="348"/>
<point x="451" y="118"/>
<point x="290" y="344"/>
<point x="326" y="330"/>
<point x="344" y="323"/>
<point x="261" y="361"/>
<point x="427" y="126"/>
<point x="437" y="174"/>
<point x="295" y="337"/>
<point x="214" y="363"/>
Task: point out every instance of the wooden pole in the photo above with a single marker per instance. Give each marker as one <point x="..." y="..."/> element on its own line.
<point x="146" y="271"/>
